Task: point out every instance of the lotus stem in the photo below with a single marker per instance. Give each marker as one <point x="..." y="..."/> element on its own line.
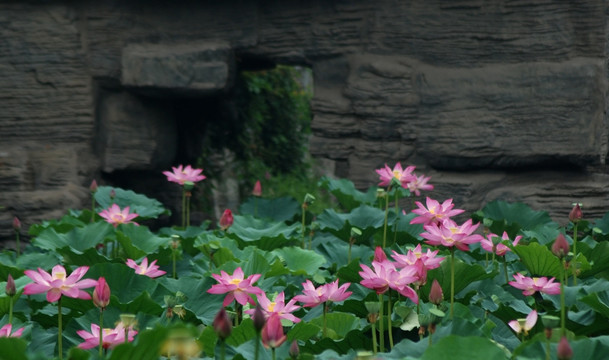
<point x="325" y="329"/>
<point x="389" y="325"/>
<point x="18" y="244"/>
<point x="395" y="227"/>
<point x="101" y="333"/>
<point x="303" y="225"/>
<point x="183" y="208"/>
<point x="575" y="253"/>
<point x="10" y="310"/>
<point x="92" y="207"/>
<point x="381" y="325"/>
<point x="452" y="281"/>
<point x="257" y="350"/>
<point x="385" y="223"/>
<point x="188" y="196"/>
<point x="505" y="268"/>
<point x="174" y="256"/>
<point x="563" y="312"/>
<point x="60" y="325"/>
<point x="374" y="342"/>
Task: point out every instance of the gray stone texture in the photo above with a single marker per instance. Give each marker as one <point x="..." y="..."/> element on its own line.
<point x="493" y="99"/>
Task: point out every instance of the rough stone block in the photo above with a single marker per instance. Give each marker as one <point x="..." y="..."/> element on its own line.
<point x="185" y="70"/>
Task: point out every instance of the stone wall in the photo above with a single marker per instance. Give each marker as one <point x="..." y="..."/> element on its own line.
<point x="493" y="99"/>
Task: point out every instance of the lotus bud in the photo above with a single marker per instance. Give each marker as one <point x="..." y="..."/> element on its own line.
<point x="294" y="350"/>
<point x="576" y="213"/>
<point x="257" y="191"/>
<point x="272" y="333"/>
<point x="379" y="254"/>
<point x="308" y="200"/>
<point x="259" y="319"/>
<point x="93" y="186"/>
<point x="16" y="224"/>
<point x="226" y="220"/>
<point x="222" y="325"/>
<point x="564" y="351"/>
<point x="435" y="294"/>
<point x="101" y="294"/>
<point x="10" y="286"/>
<point x="560" y="247"/>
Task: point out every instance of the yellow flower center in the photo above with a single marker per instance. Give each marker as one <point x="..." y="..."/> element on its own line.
<point x="60" y="276"/>
<point x="235" y="281"/>
<point x="119" y="218"/>
<point x="271" y="307"/>
<point x="396" y="174"/>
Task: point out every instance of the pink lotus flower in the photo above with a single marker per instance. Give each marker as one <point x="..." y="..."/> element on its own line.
<point x="386" y="276"/>
<point x="500" y="249"/>
<point x="379" y="254"/>
<point x="16" y="224"/>
<point x="419" y="183"/>
<point x="312" y="296"/>
<point x="531" y="285"/>
<point x="278" y="307"/>
<point x="57" y="284"/>
<point x="236" y="286"/>
<point x="181" y="175"/>
<point x="564" y="351"/>
<point x="6" y="331"/>
<point x="434" y="212"/>
<point x="151" y="271"/>
<point x="449" y="234"/>
<point x="412" y="257"/>
<point x="272" y="333"/>
<point x="115" y="216"/>
<point x="524" y="325"/>
<point x="226" y="220"/>
<point x="435" y="293"/>
<point x="101" y="293"/>
<point x="111" y="337"/>
<point x="560" y="247"/>
<point x="257" y="191"/>
<point x="404" y="176"/>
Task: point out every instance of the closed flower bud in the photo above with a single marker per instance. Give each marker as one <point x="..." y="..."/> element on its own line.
<point x="93" y="186"/>
<point x="379" y="254"/>
<point x="564" y="351"/>
<point x="226" y="220"/>
<point x="222" y="325"/>
<point x="294" y="350"/>
<point x="258" y="318"/>
<point x="560" y="247"/>
<point x="576" y="214"/>
<point x="16" y="224"/>
<point x="435" y="294"/>
<point x="257" y="191"/>
<point x="10" y="286"/>
<point x="101" y="294"/>
<point x="272" y="333"/>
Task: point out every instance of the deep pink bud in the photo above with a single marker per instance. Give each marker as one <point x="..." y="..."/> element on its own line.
<point x="258" y="318"/>
<point x="16" y="224"/>
<point x="576" y="214"/>
<point x="10" y="286"/>
<point x="226" y="220"/>
<point x="379" y="254"/>
<point x="101" y="293"/>
<point x="222" y="325"/>
<point x="435" y="294"/>
<point x="294" y="350"/>
<point x="272" y="333"/>
<point x="257" y="189"/>
<point x="560" y="247"/>
<point x="93" y="186"/>
<point x="564" y="351"/>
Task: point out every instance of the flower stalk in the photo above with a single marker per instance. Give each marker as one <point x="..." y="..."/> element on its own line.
<point x="452" y="281"/>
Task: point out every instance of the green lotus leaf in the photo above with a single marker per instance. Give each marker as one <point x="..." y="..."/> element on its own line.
<point x="300" y="261"/>
<point x="140" y="204"/>
<point x="263" y="234"/>
<point x="279" y="209"/>
<point x="78" y="239"/>
<point x="538" y="260"/>
<point x="345" y="192"/>
<point x="460" y="348"/>
<point x="366" y="218"/>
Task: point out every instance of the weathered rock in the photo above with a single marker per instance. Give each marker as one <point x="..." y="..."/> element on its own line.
<point x="135" y="133"/>
<point x="178" y="70"/>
